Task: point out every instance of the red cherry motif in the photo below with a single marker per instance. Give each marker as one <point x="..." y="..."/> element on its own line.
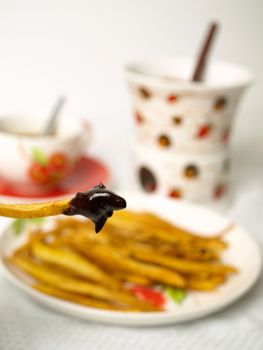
<point x="138" y="118"/>
<point x="58" y="161"/>
<point x="172" y="98"/>
<point x="58" y="167"/>
<point x="175" y="193"/>
<point x="39" y="174"/>
<point x="55" y="170"/>
<point x="219" y="191"/>
<point x="204" y="131"/>
<point x="154" y="296"/>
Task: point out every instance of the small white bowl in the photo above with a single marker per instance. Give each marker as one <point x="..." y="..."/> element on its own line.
<point x="26" y="157"/>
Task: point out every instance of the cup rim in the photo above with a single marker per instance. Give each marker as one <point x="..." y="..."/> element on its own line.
<point x="37" y="138"/>
<point x="133" y="73"/>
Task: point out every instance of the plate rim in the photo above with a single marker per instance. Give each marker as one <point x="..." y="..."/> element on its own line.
<point x="135" y="318"/>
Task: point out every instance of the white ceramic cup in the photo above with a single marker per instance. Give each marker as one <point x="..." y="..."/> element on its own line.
<point x="27" y="158"/>
<point x="174" y="113"/>
<point x="183" y="177"/>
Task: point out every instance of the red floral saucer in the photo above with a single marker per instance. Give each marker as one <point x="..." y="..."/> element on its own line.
<point x="88" y="173"/>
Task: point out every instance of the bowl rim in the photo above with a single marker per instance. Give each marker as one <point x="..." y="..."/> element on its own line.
<point x="79" y="132"/>
<point x="132" y="73"/>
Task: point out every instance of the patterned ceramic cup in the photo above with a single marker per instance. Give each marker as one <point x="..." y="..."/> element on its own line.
<point x="173" y="113"/>
<point x="190" y="177"/>
<point x="27" y="158"/>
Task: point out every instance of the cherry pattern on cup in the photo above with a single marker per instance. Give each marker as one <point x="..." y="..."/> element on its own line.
<point x="147" y="179"/>
<point x="172" y="98"/>
<point x="204" y="131"/>
<point x="195" y="122"/>
<point x="138" y="118"/>
<point x="177" y="120"/>
<point x="203" y="182"/>
<point x="145" y="93"/>
<point x="219" y="191"/>
<point x="50" y="169"/>
<point x="175" y="193"/>
<point x="164" y="141"/>
<point x="203" y="121"/>
<point x="191" y="171"/>
<point x="220" y="103"/>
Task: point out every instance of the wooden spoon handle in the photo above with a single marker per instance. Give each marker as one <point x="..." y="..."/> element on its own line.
<point x="206" y="48"/>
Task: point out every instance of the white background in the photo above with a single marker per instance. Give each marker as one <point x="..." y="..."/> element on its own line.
<point x="78" y="47"/>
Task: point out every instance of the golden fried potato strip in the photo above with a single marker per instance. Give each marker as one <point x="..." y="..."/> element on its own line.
<point x="35" y="210"/>
<point x="108" y="256"/>
<point x="75" y="298"/>
<point x="72" y="262"/>
<point x="69" y="284"/>
<point x="205" y="285"/>
<point x="148" y="227"/>
<point x="180" y="265"/>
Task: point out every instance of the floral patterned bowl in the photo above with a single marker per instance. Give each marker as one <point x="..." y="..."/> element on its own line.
<point x="176" y="114"/>
<point x="27" y="158"/>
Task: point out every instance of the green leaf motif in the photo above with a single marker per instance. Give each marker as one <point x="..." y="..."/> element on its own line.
<point x="176" y="294"/>
<point x="39" y="156"/>
<point x="36" y="220"/>
<point x="18" y="226"/>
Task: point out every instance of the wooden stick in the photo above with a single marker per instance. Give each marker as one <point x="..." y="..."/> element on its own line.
<point x="203" y="55"/>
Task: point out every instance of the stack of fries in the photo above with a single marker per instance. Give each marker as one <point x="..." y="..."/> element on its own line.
<point x="72" y="263"/>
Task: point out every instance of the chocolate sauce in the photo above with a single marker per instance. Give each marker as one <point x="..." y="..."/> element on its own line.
<point x="96" y="204"/>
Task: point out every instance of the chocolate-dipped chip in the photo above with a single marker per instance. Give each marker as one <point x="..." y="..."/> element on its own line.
<point x="97" y="204"/>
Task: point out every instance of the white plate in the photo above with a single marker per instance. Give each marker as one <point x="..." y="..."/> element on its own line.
<point x="243" y="252"/>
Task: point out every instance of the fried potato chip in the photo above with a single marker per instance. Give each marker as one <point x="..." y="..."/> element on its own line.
<point x="135" y="249"/>
<point x="149" y="226"/>
<point x="103" y="254"/>
<point x="205" y="285"/>
<point x="180" y="265"/>
<point x="79" y="299"/>
<point x="73" y="262"/>
<point x="69" y="284"/>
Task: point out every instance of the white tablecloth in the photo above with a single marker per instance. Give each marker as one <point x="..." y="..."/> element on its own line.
<point x="25" y="325"/>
